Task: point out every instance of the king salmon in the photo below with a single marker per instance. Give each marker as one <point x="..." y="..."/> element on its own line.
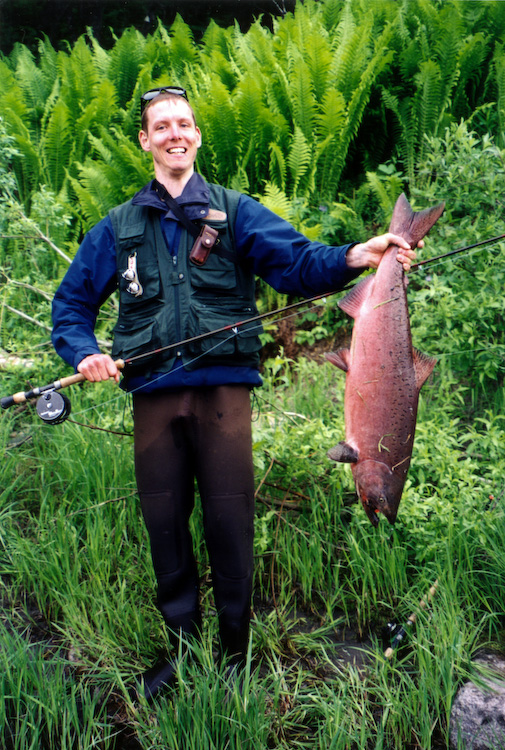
<point x="384" y="374"/>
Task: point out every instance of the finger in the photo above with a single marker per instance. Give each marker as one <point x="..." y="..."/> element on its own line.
<point x="395" y="239"/>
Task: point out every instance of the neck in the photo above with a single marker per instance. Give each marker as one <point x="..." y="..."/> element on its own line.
<point x="174" y="184"/>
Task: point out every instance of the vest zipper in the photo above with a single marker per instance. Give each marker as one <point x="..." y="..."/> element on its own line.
<point x="175" y="260"/>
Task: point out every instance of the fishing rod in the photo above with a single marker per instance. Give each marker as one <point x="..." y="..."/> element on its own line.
<point x="54" y="407"/>
<point x="415" y="266"/>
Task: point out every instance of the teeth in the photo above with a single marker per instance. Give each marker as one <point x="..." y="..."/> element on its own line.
<point x="179" y="150"/>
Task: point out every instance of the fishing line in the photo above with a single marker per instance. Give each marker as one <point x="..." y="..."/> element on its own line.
<point x="166" y="375"/>
<point x="51" y="391"/>
<point x="467" y="248"/>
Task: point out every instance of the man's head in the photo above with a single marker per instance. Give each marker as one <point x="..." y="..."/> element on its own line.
<point x="169" y="132"/>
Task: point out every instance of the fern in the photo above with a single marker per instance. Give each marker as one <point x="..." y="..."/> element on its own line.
<point x="182" y="48"/>
<point x="78" y="76"/>
<point x="55" y="146"/>
<point x="278" y="167"/>
<point x="31" y="81"/>
<point x="330" y="156"/>
<point x="277" y="201"/>
<point x="217" y="117"/>
<point x="302" y="97"/>
<point x="126" y="59"/>
<point x="499" y="68"/>
<point x="299" y="158"/>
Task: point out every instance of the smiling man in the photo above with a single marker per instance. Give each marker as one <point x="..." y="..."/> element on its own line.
<point x="184" y="255"/>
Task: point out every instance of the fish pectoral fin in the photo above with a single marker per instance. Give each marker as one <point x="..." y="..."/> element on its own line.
<point x="352" y="302"/>
<point x="344" y="453"/>
<point x="340" y="358"/>
<point x="423" y="367"/>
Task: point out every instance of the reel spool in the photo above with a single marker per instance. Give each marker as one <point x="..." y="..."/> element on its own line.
<point x="53" y="407"/>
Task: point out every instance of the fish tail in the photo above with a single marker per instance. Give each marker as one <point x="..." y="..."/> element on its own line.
<point x="413" y="225"/>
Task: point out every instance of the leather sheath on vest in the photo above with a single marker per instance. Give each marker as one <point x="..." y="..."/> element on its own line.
<point x="180" y="300"/>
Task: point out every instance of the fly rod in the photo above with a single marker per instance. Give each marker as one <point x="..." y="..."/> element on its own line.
<point x="23" y="396"/>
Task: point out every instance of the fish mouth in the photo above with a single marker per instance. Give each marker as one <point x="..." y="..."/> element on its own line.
<point x="374" y="507"/>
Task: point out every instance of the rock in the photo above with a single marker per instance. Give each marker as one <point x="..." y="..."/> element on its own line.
<point x="478" y="714"/>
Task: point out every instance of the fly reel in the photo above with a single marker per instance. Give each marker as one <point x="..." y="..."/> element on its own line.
<point x="53" y="407"/>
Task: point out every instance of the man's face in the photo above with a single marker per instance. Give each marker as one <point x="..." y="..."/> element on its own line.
<point x="172" y="138"/>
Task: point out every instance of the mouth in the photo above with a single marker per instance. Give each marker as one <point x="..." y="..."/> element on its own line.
<point x="373" y="508"/>
<point x="176" y="150"/>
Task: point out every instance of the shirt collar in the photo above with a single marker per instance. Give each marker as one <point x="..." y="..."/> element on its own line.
<point x="194" y="198"/>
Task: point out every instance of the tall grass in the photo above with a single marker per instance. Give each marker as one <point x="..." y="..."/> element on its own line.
<point x="79" y="619"/>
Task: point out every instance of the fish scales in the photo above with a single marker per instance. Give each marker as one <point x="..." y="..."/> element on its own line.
<point x="384" y="374"/>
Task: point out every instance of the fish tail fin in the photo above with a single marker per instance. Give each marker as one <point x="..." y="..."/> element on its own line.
<point x="413" y="225"/>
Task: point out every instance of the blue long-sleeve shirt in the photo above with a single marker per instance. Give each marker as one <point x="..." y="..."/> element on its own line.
<point x="274" y="250"/>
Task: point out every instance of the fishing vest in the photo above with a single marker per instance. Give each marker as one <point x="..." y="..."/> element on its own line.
<point x="178" y="300"/>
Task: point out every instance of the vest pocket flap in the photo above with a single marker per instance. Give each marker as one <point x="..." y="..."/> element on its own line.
<point x="133" y="338"/>
<point x="216" y="273"/>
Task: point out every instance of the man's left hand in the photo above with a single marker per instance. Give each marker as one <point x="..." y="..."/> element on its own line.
<point x="369" y="254"/>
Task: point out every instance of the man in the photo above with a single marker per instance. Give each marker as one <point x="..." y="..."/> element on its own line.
<point x="191" y="403"/>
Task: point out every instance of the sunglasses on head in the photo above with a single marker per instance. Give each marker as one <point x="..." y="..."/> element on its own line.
<point x="152" y="93"/>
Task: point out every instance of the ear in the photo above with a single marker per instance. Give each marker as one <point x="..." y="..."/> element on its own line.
<point x="144" y="140"/>
<point x="199" y="132"/>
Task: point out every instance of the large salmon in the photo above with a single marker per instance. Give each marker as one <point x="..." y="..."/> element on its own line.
<point x="384" y="374"/>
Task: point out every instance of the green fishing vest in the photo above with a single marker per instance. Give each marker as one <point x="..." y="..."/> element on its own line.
<point x="180" y="300"/>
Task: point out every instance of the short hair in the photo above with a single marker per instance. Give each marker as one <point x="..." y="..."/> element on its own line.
<point x="164" y="95"/>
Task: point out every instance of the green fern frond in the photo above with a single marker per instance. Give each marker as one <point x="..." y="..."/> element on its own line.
<point x="471" y="57"/>
<point x="126" y="59"/>
<point x="240" y="181"/>
<point x="278" y="167"/>
<point x="32" y="82"/>
<point x="101" y="58"/>
<point x="78" y="76"/>
<point x="218" y="120"/>
<point x="428" y="104"/>
<point x="386" y="191"/>
<point x="55" y="146"/>
<point x="332" y="10"/>
<point x="303" y="103"/>
<point x="11" y="94"/>
<point x="319" y="58"/>
<point x="299" y="158"/>
<point x="499" y="73"/>
<point x="277" y="201"/>
<point x="48" y="61"/>
<point x="91" y="191"/>
<point x="331" y="151"/>
<point x="182" y="48"/>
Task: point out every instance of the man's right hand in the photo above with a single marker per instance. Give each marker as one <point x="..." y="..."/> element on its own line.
<point x="96" y="367"/>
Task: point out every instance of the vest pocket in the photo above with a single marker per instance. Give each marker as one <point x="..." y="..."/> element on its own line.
<point x="136" y="337"/>
<point x="208" y="316"/>
<point x="217" y="272"/>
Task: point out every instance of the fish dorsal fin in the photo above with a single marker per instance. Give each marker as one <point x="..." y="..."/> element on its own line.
<point x="352" y="302"/>
<point x="343" y="452"/>
<point x="423" y="367"/>
<point x="340" y="358"/>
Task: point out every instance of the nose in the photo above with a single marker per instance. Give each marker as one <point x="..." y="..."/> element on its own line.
<point x="174" y="132"/>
